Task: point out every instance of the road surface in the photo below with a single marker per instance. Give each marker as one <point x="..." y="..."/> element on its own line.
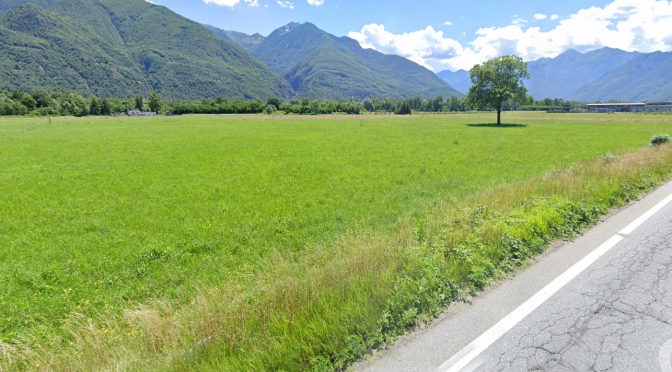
<point x="600" y="303"/>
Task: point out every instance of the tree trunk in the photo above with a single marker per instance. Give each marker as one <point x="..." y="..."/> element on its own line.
<point x="499" y="115"/>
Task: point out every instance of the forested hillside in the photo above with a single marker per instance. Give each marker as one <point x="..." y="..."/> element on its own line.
<point x="118" y="48"/>
<point x="320" y="65"/>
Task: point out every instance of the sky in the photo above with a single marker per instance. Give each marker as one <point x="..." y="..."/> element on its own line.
<point x="452" y="35"/>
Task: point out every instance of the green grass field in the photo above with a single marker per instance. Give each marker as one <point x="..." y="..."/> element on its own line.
<point x="97" y="215"/>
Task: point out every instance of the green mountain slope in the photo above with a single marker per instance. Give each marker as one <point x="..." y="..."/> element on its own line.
<point x="179" y="55"/>
<point x="218" y="32"/>
<point x="645" y="78"/>
<point x="460" y="80"/>
<point x="320" y="65"/>
<point x="559" y="77"/>
<point x="241" y="39"/>
<point x="7" y="5"/>
<point x="124" y="47"/>
<point x="43" y="50"/>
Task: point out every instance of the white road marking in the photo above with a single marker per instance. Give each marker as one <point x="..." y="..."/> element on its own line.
<point x="476" y="347"/>
<point x="665" y="357"/>
<point x="638" y="222"/>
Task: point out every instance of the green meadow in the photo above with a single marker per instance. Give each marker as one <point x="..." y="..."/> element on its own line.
<point x="98" y="215"/>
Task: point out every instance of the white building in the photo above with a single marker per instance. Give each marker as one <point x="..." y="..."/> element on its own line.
<point x="135" y="113"/>
<point x="665" y="106"/>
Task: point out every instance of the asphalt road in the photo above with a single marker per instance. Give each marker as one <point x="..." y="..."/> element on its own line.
<point x="614" y="314"/>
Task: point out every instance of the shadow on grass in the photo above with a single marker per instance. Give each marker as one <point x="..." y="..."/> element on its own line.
<point x="497" y="125"/>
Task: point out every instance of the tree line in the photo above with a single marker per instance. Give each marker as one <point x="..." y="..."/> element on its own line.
<point x="72" y="103"/>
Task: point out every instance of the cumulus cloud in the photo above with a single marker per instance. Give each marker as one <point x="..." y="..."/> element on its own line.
<point x="540" y="16"/>
<point x="633" y="25"/>
<point x="231" y="3"/>
<point x="286" y="4"/>
<point x="418" y="46"/>
<point x="316" y="2"/>
<point x="554" y="17"/>
<point x="448" y="23"/>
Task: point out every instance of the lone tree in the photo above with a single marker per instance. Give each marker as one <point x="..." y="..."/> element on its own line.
<point x="497" y="81"/>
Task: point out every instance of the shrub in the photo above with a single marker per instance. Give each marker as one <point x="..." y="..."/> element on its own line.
<point x="270" y="109"/>
<point x="659" y="139"/>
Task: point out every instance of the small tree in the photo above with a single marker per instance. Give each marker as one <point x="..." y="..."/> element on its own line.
<point x="403" y="108"/>
<point x="497" y="81"/>
<point x="138" y="102"/>
<point x="154" y="102"/>
<point x="305" y="101"/>
<point x="94" y="106"/>
<point x="315" y="107"/>
<point x="275" y="102"/>
<point x="270" y="109"/>
<point x="368" y="104"/>
<point x="105" y="107"/>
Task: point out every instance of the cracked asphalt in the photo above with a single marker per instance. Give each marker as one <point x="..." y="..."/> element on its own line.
<point x="614" y="316"/>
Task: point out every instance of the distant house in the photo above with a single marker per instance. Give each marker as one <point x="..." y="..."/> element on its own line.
<point x="631" y="107"/>
<point x="136" y="113"/>
<point x="168" y="113"/>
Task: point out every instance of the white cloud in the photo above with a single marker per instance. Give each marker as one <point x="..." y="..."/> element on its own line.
<point x="417" y="46"/>
<point x="252" y="2"/>
<point x="448" y="23"/>
<point x="554" y="17"/>
<point x="316" y="2"/>
<point x="519" y="21"/>
<point x="539" y="16"/>
<point x="229" y="3"/>
<point x="286" y="4"/>
<point x="633" y="25"/>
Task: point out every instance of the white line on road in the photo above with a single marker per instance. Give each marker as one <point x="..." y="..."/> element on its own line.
<point x="476" y="347"/>
<point x="638" y="222"/>
<point x="665" y="357"/>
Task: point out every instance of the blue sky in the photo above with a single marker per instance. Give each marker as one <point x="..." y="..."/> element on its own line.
<point x="454" y="34"/>
<point x="339" y="17"/>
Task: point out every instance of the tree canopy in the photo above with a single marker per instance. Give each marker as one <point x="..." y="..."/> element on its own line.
<point x="497" y="81"/>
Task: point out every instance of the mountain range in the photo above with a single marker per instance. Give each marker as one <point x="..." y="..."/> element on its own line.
<point x="601" y="75"/>
<point x="320" y="65"/>
<point x="120" y="48"/>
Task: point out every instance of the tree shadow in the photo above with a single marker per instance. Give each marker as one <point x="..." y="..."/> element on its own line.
<point x="497" y="125"/>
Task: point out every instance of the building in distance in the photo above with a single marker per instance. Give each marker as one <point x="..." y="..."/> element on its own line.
<point x="665" y="106"/>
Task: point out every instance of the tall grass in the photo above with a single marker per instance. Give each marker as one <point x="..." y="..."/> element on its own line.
<point x="329" y="306"/>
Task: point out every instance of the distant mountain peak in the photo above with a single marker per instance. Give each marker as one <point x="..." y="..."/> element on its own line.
<point x="320" y="65"/>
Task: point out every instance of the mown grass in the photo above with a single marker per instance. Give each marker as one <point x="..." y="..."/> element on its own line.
<point x="200" y="243"/>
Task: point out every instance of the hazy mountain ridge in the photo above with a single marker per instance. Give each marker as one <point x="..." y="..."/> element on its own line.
<point x="460" y="79"/>
<point x="645" y="78"/>
<point x="599" y="75"/>
<point x="562" y="76"/>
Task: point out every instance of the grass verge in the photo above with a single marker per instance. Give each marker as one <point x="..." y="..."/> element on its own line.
<point x="324" y="309"/>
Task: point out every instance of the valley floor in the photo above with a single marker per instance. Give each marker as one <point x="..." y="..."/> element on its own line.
<point x="289" y="245"/>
